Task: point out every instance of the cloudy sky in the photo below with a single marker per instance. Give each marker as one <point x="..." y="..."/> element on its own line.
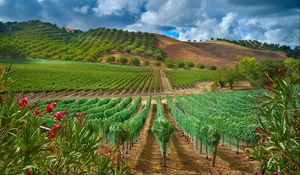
<point x="272" y="21"/>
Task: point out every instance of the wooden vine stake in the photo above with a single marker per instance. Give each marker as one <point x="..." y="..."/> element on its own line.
<point x="215" y="154"/>
<point x="237" y="146"/>
<point x="164" y="155"/>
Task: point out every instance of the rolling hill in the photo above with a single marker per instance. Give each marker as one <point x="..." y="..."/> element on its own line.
<point x="219" y="53"/>
<point x="35" y="39"/>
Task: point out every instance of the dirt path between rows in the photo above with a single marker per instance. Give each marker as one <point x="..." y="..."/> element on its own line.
<point x="164" y="82"/>
<point x="145" y="157"/>
<point x="148" y="157"/>
<point x="227" y="161"/>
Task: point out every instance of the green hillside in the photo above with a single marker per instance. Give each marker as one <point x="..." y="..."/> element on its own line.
<point x="35" y="39"/>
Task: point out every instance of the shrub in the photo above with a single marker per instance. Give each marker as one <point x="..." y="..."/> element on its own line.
<point x="157" y="63"/>
<point x="213" y="67"/>
<point x="278" y="150"/>
<point x="169" y="63"/>
<point x="135" y="61"/>
<point x="146" y="63"/>
<point x="189" y="64"/>
<point x="148" y="52"/>
<point x="158" y="56"/>
<point x="35" y="142"/>
<point x="139" y="50"/>
<point x="110" y="59"/>
<point x="179" y="64"/>
<point x="123" y="60"/>
<point x="200" y="66"/>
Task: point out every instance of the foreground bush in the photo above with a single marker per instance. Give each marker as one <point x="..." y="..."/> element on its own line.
<point x="278" y="150"/>
<point x="32" y="142"/>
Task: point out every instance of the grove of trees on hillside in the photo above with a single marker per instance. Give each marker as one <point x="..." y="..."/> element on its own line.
<point x="35" y="39"/>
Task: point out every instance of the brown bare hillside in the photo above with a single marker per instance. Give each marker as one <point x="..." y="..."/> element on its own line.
<point x="219" y="53"/>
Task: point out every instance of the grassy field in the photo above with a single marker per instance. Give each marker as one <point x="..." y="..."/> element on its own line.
<point x="188" y="78"/>
<point x="46" y="75"/>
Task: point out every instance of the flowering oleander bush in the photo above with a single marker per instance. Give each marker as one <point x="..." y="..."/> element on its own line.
<point x="34" y="142"/>
<point x="278" y="150"/>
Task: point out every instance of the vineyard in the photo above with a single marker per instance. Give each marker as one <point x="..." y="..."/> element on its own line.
<point x="148" y="87"/>
<point x="35" y="39"/>
<point x="113" y="117"/>
<point x="51" y="76"/>
<point x="188" y="78"/>
<point x="203" y="126"/>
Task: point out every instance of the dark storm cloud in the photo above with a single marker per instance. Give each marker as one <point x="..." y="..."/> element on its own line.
<point x="264" y="20"/>
<point x="276" y="4"/>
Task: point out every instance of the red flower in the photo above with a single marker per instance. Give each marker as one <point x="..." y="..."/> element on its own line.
<point x="119" y="155"/>
<point x="65" y="112"/>
<point x="276" y="173"/>
<point x="24" y="102"/>
<point x="281" y="71"/>
<point x="122" y="146"/>
<point x="270" y="89"/>
<point x="49" y="108"/>
<point x="58" y="116"/>
<point x="55" y="126"/>
<point x="79" y="116"/>
<point x="54" y="104"/>
<point x="29" y="173"/>
<point x="37" y="112"/>
<point x="52" y="134"/>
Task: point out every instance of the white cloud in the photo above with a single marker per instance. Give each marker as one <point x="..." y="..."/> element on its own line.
<point x="83" y="9"/>
<point x="171" y="13"/>
<point x="226" y="23"/>
<point x="249" y="37"/>
<point x="142" y="27"/>
<point x="274" y="36"/>
<point x="116" y="7"/>
<point x="209" y="28"/>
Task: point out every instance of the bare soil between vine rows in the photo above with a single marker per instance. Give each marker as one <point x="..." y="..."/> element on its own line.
<point x="145" y="157"/>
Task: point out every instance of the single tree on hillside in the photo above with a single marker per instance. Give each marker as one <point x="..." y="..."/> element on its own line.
<point x="135" y="61"/>
<point x="157" y="63"/>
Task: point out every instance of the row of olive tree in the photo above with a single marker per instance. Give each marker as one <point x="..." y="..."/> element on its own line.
<point x="188" y="64"/>
<point x="123" y="60"/>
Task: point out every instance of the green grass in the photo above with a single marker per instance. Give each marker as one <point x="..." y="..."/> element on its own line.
<point x="47" y="75"/>
<point x="187" y="78"/>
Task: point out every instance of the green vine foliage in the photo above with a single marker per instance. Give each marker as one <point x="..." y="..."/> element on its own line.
<point x="162" y="128"/>
<point x="278" y="151"/>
